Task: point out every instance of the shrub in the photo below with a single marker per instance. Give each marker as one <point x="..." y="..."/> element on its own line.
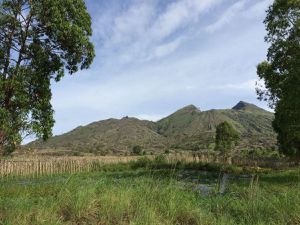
<point x="160" y="159"/>
<point x="141" y="163"/>
<point x="76" y="153"/>
<point x="137" y="150"/>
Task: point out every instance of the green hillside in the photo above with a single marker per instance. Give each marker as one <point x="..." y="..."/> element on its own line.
<point x="108" y="136"/>
<point x="189" y="128"/>
<point x="186" y="129"/>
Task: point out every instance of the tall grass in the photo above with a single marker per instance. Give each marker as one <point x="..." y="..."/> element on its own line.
<point x="148" y="198"/>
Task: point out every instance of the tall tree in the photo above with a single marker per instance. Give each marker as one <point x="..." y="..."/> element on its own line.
<point x="281" y="73"/>
<point x="40" y="40"/>
<point x="226" y="138"/>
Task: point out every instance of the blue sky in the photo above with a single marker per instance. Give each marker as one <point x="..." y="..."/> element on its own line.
<point x="156" y="56"/>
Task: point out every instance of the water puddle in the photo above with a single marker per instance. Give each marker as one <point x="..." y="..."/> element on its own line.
<point x="207" y="183"/>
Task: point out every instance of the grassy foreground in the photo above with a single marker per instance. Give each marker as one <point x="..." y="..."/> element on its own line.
<point x="149" y="197"/>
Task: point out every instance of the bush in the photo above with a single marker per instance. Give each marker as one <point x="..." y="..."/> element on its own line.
<point x="76" y="153"/>
<point x="141" y="163"/>
<point x="137" y="150"/>
<point x="103" y="153"/>
<point x="160" y="159"/>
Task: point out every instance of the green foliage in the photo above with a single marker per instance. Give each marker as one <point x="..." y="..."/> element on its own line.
<point x="137" y="150"/>
<point x="281" y="72"/>
<point x="142" y="162"/>
<point x="257" y="153"/>
<point x="75" y="153"/>
<point x="160" y="159"/>
<point x="39" y="40"/>
<point x="226" y="138"/>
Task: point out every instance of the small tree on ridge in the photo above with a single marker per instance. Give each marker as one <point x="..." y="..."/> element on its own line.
<point x="226" y="138"/>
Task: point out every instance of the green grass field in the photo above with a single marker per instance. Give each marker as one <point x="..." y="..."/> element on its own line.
<point x="152" y="197"/>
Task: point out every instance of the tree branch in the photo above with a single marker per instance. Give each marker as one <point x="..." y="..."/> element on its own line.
<point x="8" y="49"/>
<point x="23" y="41"/>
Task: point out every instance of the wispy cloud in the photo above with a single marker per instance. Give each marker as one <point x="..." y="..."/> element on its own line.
<point x="227" y="16"/>
<point x="243" y="9"/>
<point x="179" y="14"/>
<point x="145" y="31"/>
<point x="247" y="86"/>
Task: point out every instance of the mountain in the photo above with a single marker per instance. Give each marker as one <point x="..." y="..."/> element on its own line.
<point x="187" y="129"/>
<point x="192" y="129"/>
<point x="107" y="136"/>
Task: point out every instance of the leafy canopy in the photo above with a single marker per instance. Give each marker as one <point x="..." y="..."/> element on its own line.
<point x="281" y="72"/>
<point x="226" y="138"/>
<point x="40" y="40"/>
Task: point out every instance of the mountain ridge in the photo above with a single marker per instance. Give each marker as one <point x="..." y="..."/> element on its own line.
<point x="188" y="128"/>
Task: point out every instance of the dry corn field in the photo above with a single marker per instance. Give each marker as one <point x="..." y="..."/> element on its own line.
<point x="31" y="166"/>
<point x="55" y="165"/>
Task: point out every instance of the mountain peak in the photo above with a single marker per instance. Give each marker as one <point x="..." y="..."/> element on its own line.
<point x="242" y="105"/>
<point x="247" y="106"/>
<point x="190" y="108"/>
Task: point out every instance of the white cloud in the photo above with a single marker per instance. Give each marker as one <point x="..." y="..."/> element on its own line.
<point x="140" y="32"/>
<point x="248" y="85"/>
<point x="164" y="49"/>
<point x="258" y="9"/>
<point x="178" y="14"/>
<point x="132" y="24"/>
<point x="243" y="9"/>
<point x="227" y="16"/>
